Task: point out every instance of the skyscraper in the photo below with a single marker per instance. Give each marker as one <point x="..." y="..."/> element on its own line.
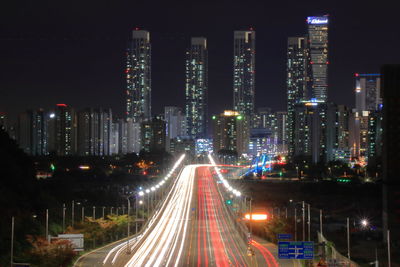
<point x="196" y="87"/>
<point x="94" y="132"/>
<point x="297" y="81"/>
<point x="231" y="132"/>
<point x="318" y="48"/>
<point x="368" y="89"/>
<point x="175" y="122"/>
<point x="244" y="70"/>
<point x="138" y="76"/>
<point x="153" y="134"/>
<point x="310" y="130"/>
<point x="32" y="132"/>
<point x="65" y="130"/>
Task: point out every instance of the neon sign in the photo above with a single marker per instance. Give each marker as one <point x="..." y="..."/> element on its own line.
<point x="317" y="20"/>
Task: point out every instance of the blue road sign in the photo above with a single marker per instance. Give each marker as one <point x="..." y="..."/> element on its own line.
<point x="296" y="250"/>
<point x="284" y="236"/>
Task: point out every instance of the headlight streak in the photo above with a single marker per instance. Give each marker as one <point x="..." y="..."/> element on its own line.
<point x="222" y="179"/>
<point x="170" y="229"/>
<point x="141" y="193"/>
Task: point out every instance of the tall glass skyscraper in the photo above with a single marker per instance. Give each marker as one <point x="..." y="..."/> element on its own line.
<point x="196" y="87"/>
<point x="138" y="76"/>
<point x="244" y="72"/>
<point x="368" y="88"/>
<point x="318" y="45"/>
<point x="297" y="81"/>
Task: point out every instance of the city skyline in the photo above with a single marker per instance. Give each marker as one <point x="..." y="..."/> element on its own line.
<point x="87" y="85"/>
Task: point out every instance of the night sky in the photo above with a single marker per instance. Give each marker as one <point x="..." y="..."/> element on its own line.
<point x="73" y="52"/>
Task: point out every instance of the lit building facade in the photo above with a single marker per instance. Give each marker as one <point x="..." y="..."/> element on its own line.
<point x="318" y="49"/>
<point x="244" y="68"/>
<point x="65" y="130"/>
<point x="138" y="76"/>
<point x="368" y="88"/>
<point x="175" y="123"/>
<point x="196" y="89"/>
<point x="94" y="132"/>
<point x="281" y="132"/>
<point x="310" y="130"/>
<point x="153" y="135"/>
<point x="32" y="132"/>
<point x="297" y="82"/>
<point x="204" y="146"/>
<point x="231" y="132"/>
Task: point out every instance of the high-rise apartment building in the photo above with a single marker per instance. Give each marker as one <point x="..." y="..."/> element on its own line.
<point x="65" y="130"/>
<point x="175" y="122"/>
<point x="244" y="70"/>
<point x="231" y="132"/>
<point x="297" y="81"/>
<point x="94" y="132"/>
<point x="368" y="89"/>
<point x="318" y="49"/>
<point x="138" y="76"/>
<point x="196" y="87"/>
<point x="32" y="132"/>
<point x="310" y="130"/>
<point x="153" y="134"/>
<point x="281" y="132"/>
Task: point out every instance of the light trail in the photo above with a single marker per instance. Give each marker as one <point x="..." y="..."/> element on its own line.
<point x="167" y="236"/>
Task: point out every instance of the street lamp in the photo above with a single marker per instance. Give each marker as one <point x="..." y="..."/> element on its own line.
<point x="128" y="251"/>
<point x="364" y="223"/>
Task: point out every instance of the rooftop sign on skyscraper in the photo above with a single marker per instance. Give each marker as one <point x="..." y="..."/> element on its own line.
<point x="317" y="20"/>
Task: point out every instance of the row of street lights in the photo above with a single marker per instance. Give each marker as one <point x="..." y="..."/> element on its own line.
<point x="152" y="196"/>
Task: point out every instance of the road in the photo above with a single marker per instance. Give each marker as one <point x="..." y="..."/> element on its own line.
<point x="193" y="227"/>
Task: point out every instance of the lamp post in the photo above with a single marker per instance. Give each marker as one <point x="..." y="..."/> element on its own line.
<point x="94" y="212"/>
<point x="304" y="216"/>
<point x="295" y="224"/>
<point x="63" y="215"/>
<point x="12" y="242"/>
<point x="83" y="214"/>
<point x="348" y="238"/>
<point x="309" y="223"/>
<point x="103" y="208"/>
<point x="47" y="225"/>
<point x="128" y="251"/>
<point x="320" y="221"/>
<point x="72" y="213"/>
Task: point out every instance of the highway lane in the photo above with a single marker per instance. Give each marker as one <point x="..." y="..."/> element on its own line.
<point x="192" y="227"/>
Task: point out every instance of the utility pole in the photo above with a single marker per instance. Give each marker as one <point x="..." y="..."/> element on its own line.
<point x="128" y="251"/>
<point x="320" y="221"/>
<point x="309" y="223"/>
<point x="304" y="218"/>
<point x="12" y="242"/>
<point x="47" y="225"/>
<point x="295" y="224"/>
<point x="348" y="238"/>
<point x="83" y="214"/>
<point x="388" y="247"/>
<point x="136" y="215"/>
<point x="63" y="214"/>
<point x="72" y="214"/>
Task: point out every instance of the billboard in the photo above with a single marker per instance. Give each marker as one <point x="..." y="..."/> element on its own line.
<point x="317" y="20"/>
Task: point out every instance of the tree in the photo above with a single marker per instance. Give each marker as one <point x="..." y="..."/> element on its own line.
<point x="55" y="253"/>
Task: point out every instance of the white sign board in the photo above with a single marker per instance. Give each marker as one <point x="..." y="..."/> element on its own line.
<point x="75" y="239"/>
